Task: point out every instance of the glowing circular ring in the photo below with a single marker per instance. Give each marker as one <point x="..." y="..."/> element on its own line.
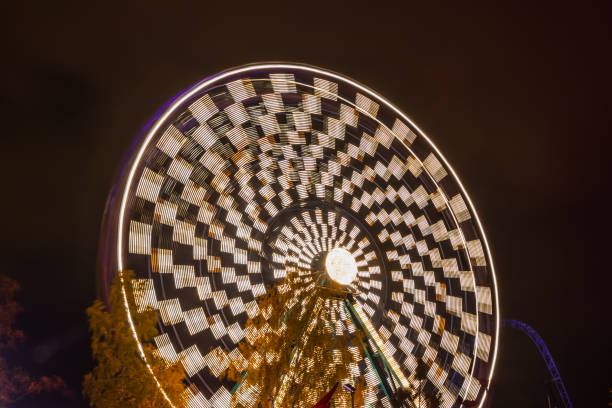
<point x="239" y="169"/>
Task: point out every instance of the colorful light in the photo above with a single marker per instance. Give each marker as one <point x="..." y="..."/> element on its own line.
<point x="232" y="153"/>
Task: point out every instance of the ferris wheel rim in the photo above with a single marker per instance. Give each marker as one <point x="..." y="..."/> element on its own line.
<point x="200" y="86"/>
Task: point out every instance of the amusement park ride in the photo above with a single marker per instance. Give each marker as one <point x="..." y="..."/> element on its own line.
<point x="557" y="396"/>
<point x="273" y="166"/>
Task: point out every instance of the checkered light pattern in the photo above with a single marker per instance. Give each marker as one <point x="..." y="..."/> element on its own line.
<point x="271" y="168"/>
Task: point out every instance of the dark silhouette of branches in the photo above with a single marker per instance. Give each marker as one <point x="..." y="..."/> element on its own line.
<point x="15" y="382"/>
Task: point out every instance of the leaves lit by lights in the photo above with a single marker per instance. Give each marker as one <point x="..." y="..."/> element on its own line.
<point x="301" y="344"/>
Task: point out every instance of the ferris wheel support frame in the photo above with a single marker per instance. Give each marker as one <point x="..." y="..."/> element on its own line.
<point x="377" y="360"/>
<point x="369" y="352"/>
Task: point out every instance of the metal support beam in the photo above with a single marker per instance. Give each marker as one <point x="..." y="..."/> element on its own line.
<point x="376" y="366"/>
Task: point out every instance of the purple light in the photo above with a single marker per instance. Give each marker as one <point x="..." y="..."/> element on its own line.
<point x="546" y="356"/>
<point x="349" y="387"/>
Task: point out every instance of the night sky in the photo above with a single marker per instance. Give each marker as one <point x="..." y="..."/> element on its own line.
<point x="516" y="97"/>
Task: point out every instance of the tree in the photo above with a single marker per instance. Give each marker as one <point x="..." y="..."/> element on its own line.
<point x="291" y="354"/>
<point x="15" y="382"/>
<point x="402" y="395"/>
<point x="121" y="377"/>
<point x="432" y="399"/>
<point x="360" y="391"/>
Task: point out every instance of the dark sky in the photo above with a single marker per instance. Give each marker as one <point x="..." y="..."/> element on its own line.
<point x="517" y="97"/>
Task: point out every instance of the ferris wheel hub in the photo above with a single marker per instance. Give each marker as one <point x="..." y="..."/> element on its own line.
<point x="341" y="266"/>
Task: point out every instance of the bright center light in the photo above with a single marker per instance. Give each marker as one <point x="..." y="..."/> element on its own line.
<point x="341" y="266"/>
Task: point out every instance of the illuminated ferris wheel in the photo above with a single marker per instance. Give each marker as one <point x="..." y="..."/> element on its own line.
<point x="268" y="167"/>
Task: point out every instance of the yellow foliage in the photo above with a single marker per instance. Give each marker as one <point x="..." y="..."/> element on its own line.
<point x="120" y="377"/>
<point x="292" y="353"/>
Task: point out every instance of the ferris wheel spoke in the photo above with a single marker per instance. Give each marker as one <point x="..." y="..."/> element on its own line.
<point x="270" y="178"/>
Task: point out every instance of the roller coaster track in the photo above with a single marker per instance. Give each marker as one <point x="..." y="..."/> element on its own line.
<point x="546" y="356"/>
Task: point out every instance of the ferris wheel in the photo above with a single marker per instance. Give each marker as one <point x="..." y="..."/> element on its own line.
<point x="273" y="166"/>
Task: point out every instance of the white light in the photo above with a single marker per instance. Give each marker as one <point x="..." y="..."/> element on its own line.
<point x="208" y="82"/>
<point x="341" y="266"/>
